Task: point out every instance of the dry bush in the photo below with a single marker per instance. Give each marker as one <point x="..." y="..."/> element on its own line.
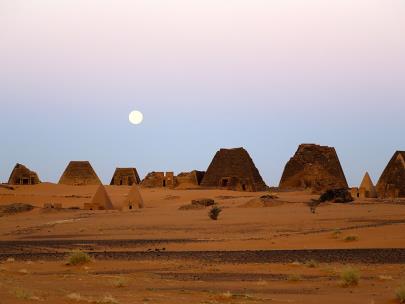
<point x="350" y="277"/>
<point x="294" y="278"/>
<point x="78" y="257"/>
<point x="351" y="238"/>
<point x="400" y="294"/>
<point x="312" y="264"/>
<point x="214" y="212"/>
<point x="107" y="300"/>
<point x="119" y="282"/>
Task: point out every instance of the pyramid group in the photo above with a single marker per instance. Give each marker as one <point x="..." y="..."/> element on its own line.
<point x="312" y="167"/>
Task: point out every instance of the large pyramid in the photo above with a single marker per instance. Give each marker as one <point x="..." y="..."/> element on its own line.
<point x="79" y="173"/>
<point x="367" y="188"/>
<point x="133" y="199"/>
<point x="313" y="167"/>
<point x="100" y="201"/>
<point x="21" y="175"/>
<point x="392" y="181"/>
<point x="125" y="176"/>
<point x="233" y="169"/>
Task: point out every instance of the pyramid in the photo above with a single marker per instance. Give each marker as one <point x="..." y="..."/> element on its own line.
<point x="392" y="181"/>
<point x="79" y="173"/>
<point x="133" y="199"/>
<point x="233" y="169"/>
<point x="125" y="176"/>
<point x="100" y="201"/>
<point x="367" y="189"/>
<point x="314" y="167"/>
<point x="21" y="175"/>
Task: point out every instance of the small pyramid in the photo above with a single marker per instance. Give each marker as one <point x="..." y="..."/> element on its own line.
<point x="133" y="199"/>
<point x="100" y="201"/>
<point x="367" y="188"/>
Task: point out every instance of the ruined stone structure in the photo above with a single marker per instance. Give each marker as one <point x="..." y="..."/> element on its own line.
<point x="100" y="201"/>
<point x="133" y="199"/>
<point x="313" y="167"/>
<point x="125" y="176"/>
<point x="233" y="169"/>
<point x="159" y="179"/>
<point x="21" y="175"/>
<point x="192" y="178"/>
<point x="392" y="181"/>
<point x="79" y="173"/>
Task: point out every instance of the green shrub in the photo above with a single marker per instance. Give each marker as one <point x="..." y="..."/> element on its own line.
<point x="350" y="277"/>
<point x="78" y="257"/>
<point x="214" y="212"/>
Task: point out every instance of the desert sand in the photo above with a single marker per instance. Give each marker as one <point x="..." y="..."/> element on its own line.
<point x="277" y="252"/>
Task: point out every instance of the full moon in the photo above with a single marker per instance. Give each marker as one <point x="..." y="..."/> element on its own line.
<point x="135" y="117"/>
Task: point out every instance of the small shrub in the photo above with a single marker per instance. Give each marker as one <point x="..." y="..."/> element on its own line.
<point x="23" y="271"/>
<point x="336" y="233"/>
<point x="107" y="300"/>
<point x="350" y="277"/>
<point x="75" y="297"/>
<point x="294" y="278"/>
<point x="78" y="258"/>
<point x="119" y="282"/>
<point x="22" y="294"/>
<point x="214" y="212"/>
<point x="385" y="278"/>
<point x="400" y="294"/>
<point x="351" y="238"/>
<point x="312" y="264"/>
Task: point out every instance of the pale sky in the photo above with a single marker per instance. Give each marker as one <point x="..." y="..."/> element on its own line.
<point x="265" y="75"/>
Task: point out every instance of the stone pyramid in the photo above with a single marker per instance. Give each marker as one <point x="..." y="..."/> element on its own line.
<point x="100" y="201"/>
<point x="392" y="181"/>
<point x="133" y="199"/>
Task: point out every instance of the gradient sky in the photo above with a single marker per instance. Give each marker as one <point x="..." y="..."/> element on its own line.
<point x="263" y="74"/>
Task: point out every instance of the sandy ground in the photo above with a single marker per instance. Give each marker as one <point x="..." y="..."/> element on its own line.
<point x="286" y="225"/>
